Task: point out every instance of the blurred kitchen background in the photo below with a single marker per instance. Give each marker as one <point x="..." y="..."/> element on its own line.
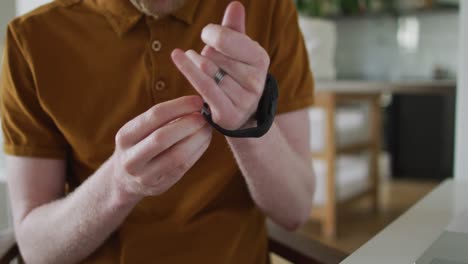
<point x="383" y="126"/>
<point x="382" y="130"/>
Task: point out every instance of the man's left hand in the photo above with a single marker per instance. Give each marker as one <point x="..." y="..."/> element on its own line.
<point x="234" y="100"/>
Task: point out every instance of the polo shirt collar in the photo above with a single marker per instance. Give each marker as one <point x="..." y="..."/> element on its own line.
<point x="123" y="15"/>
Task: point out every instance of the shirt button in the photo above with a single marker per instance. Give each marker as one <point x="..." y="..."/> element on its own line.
<point x="156" y="46"/>
<point x="160" y="86"/>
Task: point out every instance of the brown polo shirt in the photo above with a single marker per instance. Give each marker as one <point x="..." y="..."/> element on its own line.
<point x="75" y="71"/>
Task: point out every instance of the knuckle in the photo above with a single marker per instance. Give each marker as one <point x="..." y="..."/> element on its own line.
<point x="149" y="185"/>
<point x="121" y="137"/>
<point x="177" y="172"/>
<point x="141" y="181"/>
<point x="209" y="52"/>
<point x="176" y="159"/>
<point x="221" y="38"/>
<point x="205" y="66"/>
<point x="157" y="137"/>
<point x="182" y="168"/>
<point x="127" y="165"/>
<point x="118" y="139"/>
<point x="154" y="112"/>
<point x="151" y="181"/>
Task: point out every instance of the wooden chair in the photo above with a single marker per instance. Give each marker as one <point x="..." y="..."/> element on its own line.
<point x="290" y="246"/>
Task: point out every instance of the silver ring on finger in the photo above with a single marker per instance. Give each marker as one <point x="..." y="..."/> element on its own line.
<point x="219" y="76"/>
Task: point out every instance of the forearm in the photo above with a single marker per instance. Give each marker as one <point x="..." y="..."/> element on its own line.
<point x="280" y="180"/>
<point x="152" y="152"/>
<point x="70" y="229"/>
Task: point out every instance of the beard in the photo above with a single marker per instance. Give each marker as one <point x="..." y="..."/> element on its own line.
<point x="157" y="8"/>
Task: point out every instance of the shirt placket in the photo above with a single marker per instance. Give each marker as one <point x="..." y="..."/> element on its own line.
<point x="160" y="90"/>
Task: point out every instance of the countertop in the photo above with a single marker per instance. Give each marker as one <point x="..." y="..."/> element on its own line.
<point x="406" y="239"/>
<point x="403" y="86"/>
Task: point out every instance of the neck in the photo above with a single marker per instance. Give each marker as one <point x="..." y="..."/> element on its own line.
<point x="157" y="8"/>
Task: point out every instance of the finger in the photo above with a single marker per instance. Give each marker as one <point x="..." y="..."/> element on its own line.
<point x="247" y="76"/>
<point x="204" y="84"/>
<point x="143" y="125"/>
<point x="172" y="164"/>
<point x="162" y="139"/>
<point x="234" y="17"/>
<point x="230" y="87"/>
<point x="236" y="45"/>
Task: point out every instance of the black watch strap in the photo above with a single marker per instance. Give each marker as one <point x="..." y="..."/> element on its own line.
<point x="265" y="114"/>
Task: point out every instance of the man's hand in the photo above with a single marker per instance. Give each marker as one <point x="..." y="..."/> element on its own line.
<point x="154" y="150"/>
<point x="235" y="99"/>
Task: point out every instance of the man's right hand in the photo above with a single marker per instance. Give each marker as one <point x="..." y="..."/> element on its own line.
<point x="153" y="152"/>
<point x="155" y="149"/>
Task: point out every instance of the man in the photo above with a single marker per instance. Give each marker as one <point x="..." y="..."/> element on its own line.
<point x="109" y="159"/>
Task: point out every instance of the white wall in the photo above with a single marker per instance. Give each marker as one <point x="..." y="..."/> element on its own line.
<point x="10" y="8"/>
<point x="23" y="6"/>
<point x="461" y="143"/>
<point x="369" y="47"/>
<point x="7" y="12"/>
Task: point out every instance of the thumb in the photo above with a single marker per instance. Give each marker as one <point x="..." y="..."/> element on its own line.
<point x="234" y="17"/>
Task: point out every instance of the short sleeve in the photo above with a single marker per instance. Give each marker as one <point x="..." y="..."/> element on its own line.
<point x="27" y="129"/>
<point x="289" y="60"/>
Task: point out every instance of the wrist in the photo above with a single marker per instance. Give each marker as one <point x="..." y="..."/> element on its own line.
<point x="264" y="115"/>
<point x="120" y="193"/>
<point x="253" y="143"/>
<point x="251" y="122"/>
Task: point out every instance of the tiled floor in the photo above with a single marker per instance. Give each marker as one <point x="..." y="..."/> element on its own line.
<point x="358" y="224"/>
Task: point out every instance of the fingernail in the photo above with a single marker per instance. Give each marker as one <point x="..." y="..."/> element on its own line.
<point x="175" y="52"/>
<point x="190" y="51"/>
<point x="203" y="33"/>
<point x="205" y="29"/>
